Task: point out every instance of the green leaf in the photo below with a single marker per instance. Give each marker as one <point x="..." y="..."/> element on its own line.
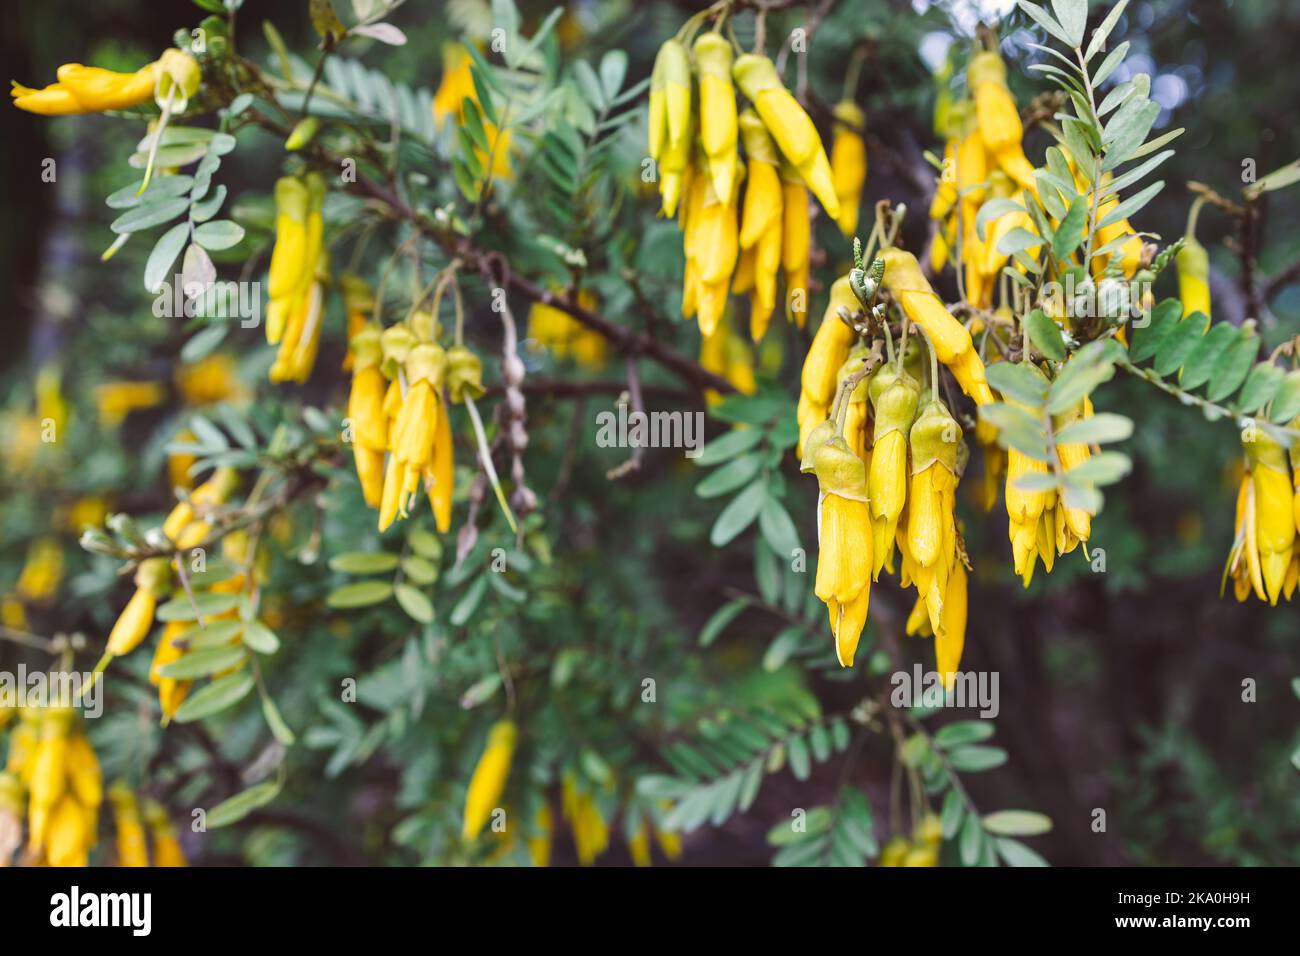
<point x="219" y="234"/>
<point x="469" y="602"/>
<point x="1045" y="333"/>
<point x="1099" y="35"/>
<point x="728" y="446"/>
<point x="1018" y="430"/>
<point x="201" y="663"/>
<point x="1018" y="383"/>
<point x="737" y="472"/>
<point x="992" y="209"/>
<point x="739" y="514"/>
<point x="1233" y="366"/>
<point x="279" y="729"/>
<point x="1178" y="345"/>
<point x="261" y="638"/>
<point x="1044" y="20"/>
<point x="414" y="602"/>
<point x="1073" y="17"/>
<point x="419" y="570"/>
<point x="1071" y="230"/>
<point x="777" y="528"/>
<point x="1018" y="240"/>
<point x="360" y="594"/>
<point x="971" y="841"/>
<point x="1097" y="429"/>
<point x="208" y="605"/>
<point x="1088" y="368"/>
<point x="975" y="759"/>
<point x="1201" y="362"/>
<point x="150" y="214"/>
<point x="720" y="619"/>
<point x="800" y="764"/>
<point x="1148" y="338"/>
<point x="1017" y="854"/>
<point x="1014" y="823"/>
<point x="163" y="256"/>
<point x="952" y="814"/>
<point x="1261" y="385"/>
<point x="1132" y="205"/>
<point x="1286" y="403"/>
<point x="782" y="647"/>
<point x="963" y="732"/>
<point x="364" y="562"/>
<point x="215" y="697"/>
<point x="1101" y="469"/>
<point x="241" y="805"/>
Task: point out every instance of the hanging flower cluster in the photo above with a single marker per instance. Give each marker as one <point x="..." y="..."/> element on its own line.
<point x="53" y="771"/>
<point x="696" y="135"/>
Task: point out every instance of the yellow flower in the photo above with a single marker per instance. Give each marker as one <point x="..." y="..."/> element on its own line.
<point x="366" y="412"/>
<point x="1193" y="264"/>
<point x="1275" y="525"/>
<point x="539" y="841"/>
<point x="413" y="430"/>
<point x="87" y="89"/>
<point x="132" y="850"/>
<point x="295" y="259"/>
<point x="789" y="125"/>
<point x="761" y="235"/>
<point x="999" y="120"/>
<point x="590" y="830"/>
<point x="796" y="237"/>
<point x="210" y="380"/>
<point x="931" y="522"/>
<point x="152" y="579"/>
<point x="296" y="357"/>
<point x="844" y="542"/>
<point x="717" y="112"/>
<point x="171" y="691"/>
<point x="894" y="397"/>
<point x="849" y="163"/>
<point x="43" y="570"/>
<point x="166" y="848"/>
<point x="438" y="479"/>
<point x="457" y="83"/>
<point x="948" y="337"/>
<point x="489" y="779"/>
<point x="116" y="400"/>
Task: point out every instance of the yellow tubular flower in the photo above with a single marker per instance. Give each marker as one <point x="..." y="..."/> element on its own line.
<point x="438" y="479"/>
<point x="638" y="844"/>
<point x="849" y="163"/>
<point x="166" y="847"/>
<point x="717" y="111"/>
<point x="411" y="438"/>
<point x="132" y="851"/>
<point x="171" y="691"/>
<point x="951" y="639"/>
<point x="47" y="774"/>
<point x="116" y="400"/>
<point x="489" y="779"/>
<point x="1193" y="264"/>
<point x="366" y="412"/>
<point x="830" y="347"/>
<point x="1076" y="521"/>
<point x="761" y="232"/>
<point x="895" y="399"/>
<point x="87" y="89"/>
<point x="796" y="237"/>
<point x="84" y="776"/>
<point x="789" y="125"/>
<point x="290" y="264"/>
<point x="999" y="121"/>
<point x="1275" y="526"/>
<point x="42" y="571"/>
<point x="843" y="544"/>
<point x="68" y="842"/>
<point x="296" y="356"/>
<point x="457" y="83"/>
<point x="539" y="843"/>
<point x="931" y="523"/>
<point x="152" y="579"/>
<point x="948" y="337"/>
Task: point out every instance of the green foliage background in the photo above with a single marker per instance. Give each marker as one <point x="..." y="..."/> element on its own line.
<point x="1120" y="691"/>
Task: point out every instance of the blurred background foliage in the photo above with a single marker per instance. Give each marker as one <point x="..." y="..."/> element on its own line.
<point x="1120" y="690"/>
